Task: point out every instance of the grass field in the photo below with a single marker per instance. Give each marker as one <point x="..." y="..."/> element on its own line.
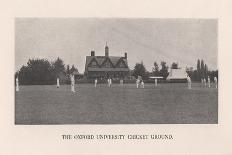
<point x="170" y="103"/>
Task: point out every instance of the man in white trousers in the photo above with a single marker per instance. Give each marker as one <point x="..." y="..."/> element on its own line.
<point x="215" y="81"/>
<point x="17" y="84"/>
<point x="95" y="82"/>
<point x="72" y="83"/>
<point x="142" y="84"/>
<point x="121" y="82"/>
<point x="204" y="81"/>
<point x="156" y="82"/>
<point x="110" y="82"/>
<point x="57" y="83"/>
<point x="137" y="83"/>
<point x="208" y="82"/>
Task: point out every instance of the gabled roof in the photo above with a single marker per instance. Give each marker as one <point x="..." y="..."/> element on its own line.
<point x="123" y="60"/>
<point x="95" y="60"/>
<point x="101" y="59"/>
<point x="108" y="69"/>
<point x="114" y="60"/>
<point x="105" y="61"/>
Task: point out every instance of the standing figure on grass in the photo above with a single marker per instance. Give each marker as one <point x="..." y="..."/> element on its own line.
<point x="121" y="82"/>
<point x="215" y="81"/>
<point x="156" y="82"/>
<point x="110" y="82"/>
<point x="204" y="81"/>
<point x="189" y="82"/>
<point x="208" y="82"/>
<point x="57" y="83"/>
<point x="142" y="84"/>
<point x="137" y="83"/>
<point x="17" y="84"/>
<point x="72" y="83"/>
<point x="95" y="82"/>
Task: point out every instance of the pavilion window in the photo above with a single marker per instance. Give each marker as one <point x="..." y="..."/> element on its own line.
<point x="94" y="64"/>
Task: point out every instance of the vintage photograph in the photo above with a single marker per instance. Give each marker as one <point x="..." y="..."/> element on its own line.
<point x="116" y="71"/>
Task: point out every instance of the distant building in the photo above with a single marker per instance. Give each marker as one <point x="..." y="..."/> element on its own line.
<point x="106" y="66"/>
<point x="177" y="75"/>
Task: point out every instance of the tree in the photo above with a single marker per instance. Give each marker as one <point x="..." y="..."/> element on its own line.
<point x="202" y="70"/>
<point x="16" y="74"/>
<point x="68" y="70"/>
<point x="41" y="71"/>
<point x="139" y="70"/>
<point x="164" y="70"/>
<point x="37" y="71"/>
<point x="174" y="65"/>
<point x="213" y="74"/>
<point x="198" y="65"/>
<point x="155" y="69"/>
<point x="73" y="69"/>
<point x="198" y="70"/>
<point x="206" y="71"/>
<point x="59" y="68"/>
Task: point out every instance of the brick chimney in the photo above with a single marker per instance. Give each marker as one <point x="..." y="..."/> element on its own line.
<point x="92" y="53"/>
<point x="125" y="55"/>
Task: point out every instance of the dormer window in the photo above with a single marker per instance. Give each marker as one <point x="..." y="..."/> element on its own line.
<point x="93" y="63"/>
<point x="121" y="65"/>
<point x="108" y="64"/>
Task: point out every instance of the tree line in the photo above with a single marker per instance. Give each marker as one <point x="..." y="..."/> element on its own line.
<point x="199" y="73"/>
<point x="43" y="72"/>
<point x="140" y="70"/>
<point x="202" y="72"/>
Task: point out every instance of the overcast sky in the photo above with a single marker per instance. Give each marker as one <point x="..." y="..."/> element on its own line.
<point x="148" y="40"/>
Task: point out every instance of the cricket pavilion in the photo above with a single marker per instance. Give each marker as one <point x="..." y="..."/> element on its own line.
<point x="107" y="66"/>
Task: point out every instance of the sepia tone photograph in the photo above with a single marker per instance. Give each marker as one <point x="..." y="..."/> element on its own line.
<point x="116" y="71"/>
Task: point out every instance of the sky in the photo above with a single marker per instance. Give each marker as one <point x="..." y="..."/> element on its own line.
<point x="145" y="40"/>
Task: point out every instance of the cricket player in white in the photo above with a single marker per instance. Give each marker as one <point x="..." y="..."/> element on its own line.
<point x="17" y="84"/>
<point x="95" y="82"/>
<point x="156" y="82"/>
<point x="189" y="82"/>
<point x="142" y="84"/>
<point x="108" y="82"/>
<point x="215" y="81"/>
<point x="208" y="82"/>
<point x="204" y="81"/>
<point x="121" y="82"/>
<point x="137" y="83"/>
<point x="72" y="83"/>
<point x="57" y="83"/>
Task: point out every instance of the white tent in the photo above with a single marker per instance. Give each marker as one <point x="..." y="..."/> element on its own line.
<point x="177" y="74"/>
